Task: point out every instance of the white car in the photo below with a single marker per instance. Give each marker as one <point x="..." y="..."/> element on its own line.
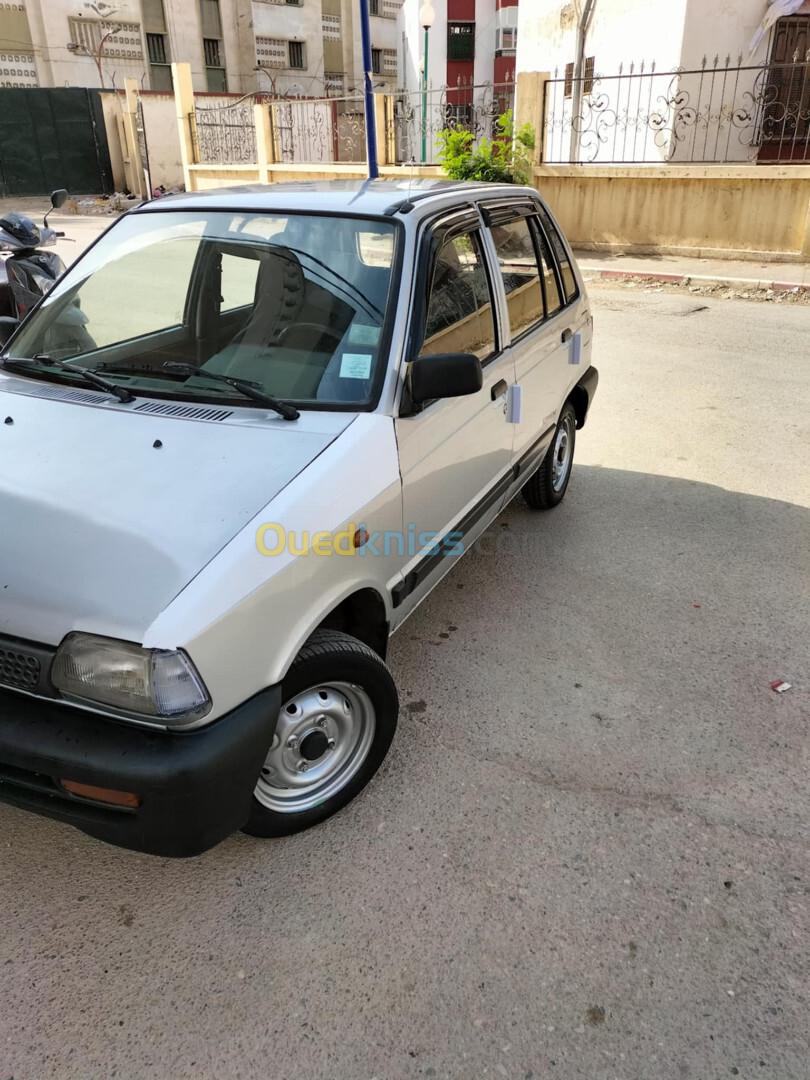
<point x="240" y="441"/>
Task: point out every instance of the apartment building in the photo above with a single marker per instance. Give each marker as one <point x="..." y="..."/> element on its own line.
<point x="471" y="42"/>
<point x="304" y="48"/>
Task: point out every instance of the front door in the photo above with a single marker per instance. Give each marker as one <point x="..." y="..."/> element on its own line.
<point x="455" y="454"/>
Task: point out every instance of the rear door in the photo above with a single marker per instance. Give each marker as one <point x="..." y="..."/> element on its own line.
<point x="547" y="321"/>
<point x="456" y="453"/>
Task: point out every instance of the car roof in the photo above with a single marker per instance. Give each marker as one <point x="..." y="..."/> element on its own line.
<point x="375" y="197"/>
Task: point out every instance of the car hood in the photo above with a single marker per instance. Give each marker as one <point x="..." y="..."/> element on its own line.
<point x="108" y="511"/>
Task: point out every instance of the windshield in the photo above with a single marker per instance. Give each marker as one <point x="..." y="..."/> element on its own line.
<point x="294" y="304"/>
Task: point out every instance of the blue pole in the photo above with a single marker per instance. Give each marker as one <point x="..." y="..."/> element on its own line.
<point x="368" y="91"/>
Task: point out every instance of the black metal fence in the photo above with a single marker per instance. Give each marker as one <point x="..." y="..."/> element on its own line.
<point x="416" y="119"/>
<point x="720" y="112"/>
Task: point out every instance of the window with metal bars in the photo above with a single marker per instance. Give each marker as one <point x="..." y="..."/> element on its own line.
<point x="461" y="41"/>
<point x="211" y="53"/>
<point x="297" y="55"/>
<point x="156" y="48"/>
<point x="588" y="73"/>
<point x="376" y="61"/>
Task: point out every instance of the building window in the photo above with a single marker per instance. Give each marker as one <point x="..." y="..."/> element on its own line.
<point x="160" y="73"/>
<point x="376" y="61"/>
<point x="334" y="83"/>
<point x="214" y="69"/>
<point x="587" y="77"/>
<point x="374" y="7"/>
<point x="211" y="51"/>
<point x="506" y="39"/>
<point x="461" y="41"/>
<point x="156" y="47"/>
<point x="297" y="55"/>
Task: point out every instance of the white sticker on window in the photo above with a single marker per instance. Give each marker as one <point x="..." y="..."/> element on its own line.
<point x="355" y="366"/>
<point x="363" y="334"/>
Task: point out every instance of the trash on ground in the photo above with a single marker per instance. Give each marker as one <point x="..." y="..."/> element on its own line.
<point x="779" y="686"/>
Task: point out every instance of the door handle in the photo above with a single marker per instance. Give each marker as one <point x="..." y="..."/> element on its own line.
<point x="499" y="389"/>
<point x="567" y="335"/>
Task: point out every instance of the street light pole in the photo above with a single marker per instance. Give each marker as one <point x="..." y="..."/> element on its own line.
<point x="426" y="18"/>
<point x="368" y="93"/>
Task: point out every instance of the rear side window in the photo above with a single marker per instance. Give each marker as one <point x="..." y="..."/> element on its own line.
<point x="558" y="247"/>
<point x="551" y="287"/>
<point x="459" y="312"/>
<point x="517" y="260"/>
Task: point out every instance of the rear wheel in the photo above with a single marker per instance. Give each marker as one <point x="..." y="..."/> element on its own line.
<point x="337" y="721"/>
<point x="549" y="484"/>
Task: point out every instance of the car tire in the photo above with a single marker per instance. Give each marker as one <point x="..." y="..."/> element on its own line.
<point x="337" y="721"/>
<point x="547" y="487"/>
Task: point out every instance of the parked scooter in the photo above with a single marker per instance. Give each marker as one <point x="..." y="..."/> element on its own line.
<point x="27" y="273"/>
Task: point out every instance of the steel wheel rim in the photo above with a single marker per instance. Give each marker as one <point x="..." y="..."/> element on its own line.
<point x="323" y="737"/>
<point x="562" y="453"/>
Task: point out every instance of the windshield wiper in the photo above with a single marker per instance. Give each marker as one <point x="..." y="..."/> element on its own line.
<point x="89" y="376"/>
<point x="289" y="412"/>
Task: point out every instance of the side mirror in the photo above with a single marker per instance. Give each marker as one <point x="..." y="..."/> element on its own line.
<point x="58" y="198"/>
<point x="7" y="327"/>
<point x="444" y="375"/>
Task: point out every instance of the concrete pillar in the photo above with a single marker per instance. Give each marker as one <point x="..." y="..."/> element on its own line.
<point x="382" y="129"/>
<point x="530" y="106"/>
<point x="265" y="147"/>
<point x="133" y="164"/>
<point x="184" y="108"/>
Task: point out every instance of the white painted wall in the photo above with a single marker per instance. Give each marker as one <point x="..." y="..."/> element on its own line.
<point x="673" y="34"/>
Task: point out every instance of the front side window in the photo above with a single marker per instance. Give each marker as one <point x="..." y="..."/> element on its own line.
<point x="459" y="311"/>
<point x="297" y="304"/>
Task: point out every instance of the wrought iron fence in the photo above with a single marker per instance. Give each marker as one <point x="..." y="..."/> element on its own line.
<point x="720" y="112"/>
<point x="314" y="130"/>
<point x="225" y="133"/>
<point x="414" y="121"/>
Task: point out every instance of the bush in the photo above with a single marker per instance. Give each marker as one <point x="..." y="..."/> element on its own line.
<point x="506" y="159"/>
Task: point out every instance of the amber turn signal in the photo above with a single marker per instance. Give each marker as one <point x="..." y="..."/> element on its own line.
<point x="102" y="794"/>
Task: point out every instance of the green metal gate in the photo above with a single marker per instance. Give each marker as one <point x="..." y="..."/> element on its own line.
<point x="52" y="138"/>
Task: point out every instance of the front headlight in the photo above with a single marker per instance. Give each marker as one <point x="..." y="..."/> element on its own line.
<point x="156" y="684"/>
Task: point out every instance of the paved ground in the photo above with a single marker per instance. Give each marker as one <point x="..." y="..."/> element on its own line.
<point x="587" y="855"/>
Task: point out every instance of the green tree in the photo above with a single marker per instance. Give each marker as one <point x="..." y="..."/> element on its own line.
<point x="504" y="159"/>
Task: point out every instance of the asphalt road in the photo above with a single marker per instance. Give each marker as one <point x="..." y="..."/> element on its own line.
<point x="587" y="854"/>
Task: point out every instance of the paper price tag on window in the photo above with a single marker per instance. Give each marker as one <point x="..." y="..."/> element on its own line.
<point x="355" y="366"/>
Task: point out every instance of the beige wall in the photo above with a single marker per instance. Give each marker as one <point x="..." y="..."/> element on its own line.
<point x="737" y="211"/>
<point x="746" y="212"/>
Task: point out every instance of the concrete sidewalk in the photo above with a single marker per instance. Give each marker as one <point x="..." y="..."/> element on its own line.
<point x="675" y="270"/>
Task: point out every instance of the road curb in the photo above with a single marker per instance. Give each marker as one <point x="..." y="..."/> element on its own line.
<point x="599" y="274"/>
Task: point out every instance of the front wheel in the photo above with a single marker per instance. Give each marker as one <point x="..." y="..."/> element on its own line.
<point x="549" y="484"/>
<point x="337" y="721"/>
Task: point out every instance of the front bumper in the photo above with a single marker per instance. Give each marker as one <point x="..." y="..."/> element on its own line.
<point x="195" y="787"/>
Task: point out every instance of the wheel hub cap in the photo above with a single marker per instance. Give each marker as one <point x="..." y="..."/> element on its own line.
<point x="323" y="737"/>
<point x="562" y="453"/>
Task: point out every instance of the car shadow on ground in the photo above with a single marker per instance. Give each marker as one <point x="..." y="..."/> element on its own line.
<point x="587" y="837"/>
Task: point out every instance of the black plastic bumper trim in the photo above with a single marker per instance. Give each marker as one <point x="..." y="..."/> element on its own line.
<point x="196" y="787"/>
